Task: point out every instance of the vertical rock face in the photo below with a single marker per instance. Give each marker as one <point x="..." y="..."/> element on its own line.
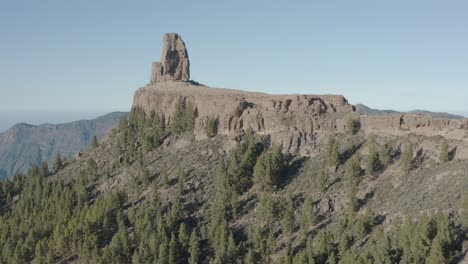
<point x="175" y="64"/>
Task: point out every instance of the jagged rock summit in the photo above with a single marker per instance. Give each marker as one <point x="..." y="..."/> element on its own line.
<point x="293" y="121"/>
<point x="175" y="64"/>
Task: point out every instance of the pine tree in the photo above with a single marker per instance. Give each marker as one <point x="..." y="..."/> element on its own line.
<point x="189" y="117"/>
<point x="92" y="167"/>
<point x="352" y="126"/>
<point x="266" y="208"/>
<point x="299" y="258"/>
<point x="444" y="153"/>
<point x="232" y="249"/>
<point x="321" y="181"/>
<point x="406" y="158"/>
<point x="234" y="203"/>
<point x="44" y="169"/>
<point x="38" y="253"/>
<point x="288" y="217"/>
<point x="270" y="243"/>
<point x="250" y="257"/>
<point x="212" y="127"/>
<point x="333" y="156"/>
<point x="352" y="197"/>
<point x="183" y="235"/>
<point x="164" y="179"/>
<point x="372" y="163"/>
<point x="178" y="120"/>
<point x="353" y="167"/>
<point x="331" y="258"/>
<point x="465" y="210"/>
<point x="173" y="250"/>
<point x="287" y="257"/>
<point x="310" y="251"/>
<point x="385" y="153"/>
<point x="57" y="162"/>
<point x="308" y="211"/>
<point x="162" y="253"/>
<point x="183" y="119"/>
<point x="194" y="248"/>
<point x="94" y="142"/>
<point x="181" y="180"/>
<point x="323" y="246"/>
<point x="436" y="255"/>
<point x="268" y="169"/>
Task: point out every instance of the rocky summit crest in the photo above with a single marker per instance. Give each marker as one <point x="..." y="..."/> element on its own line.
<point x="175" y="64"/>
<point x="290" y="121"/>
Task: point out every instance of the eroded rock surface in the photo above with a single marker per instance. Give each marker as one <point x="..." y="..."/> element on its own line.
<point x="292" y="121"/>
<point x="175" y="64"/>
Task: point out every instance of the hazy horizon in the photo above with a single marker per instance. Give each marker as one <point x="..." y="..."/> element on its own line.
<point x="41" y="117"/>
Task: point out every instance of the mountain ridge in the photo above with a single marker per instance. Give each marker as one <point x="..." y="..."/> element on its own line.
<point x="24" y="144"/>
<point x="363" y="109"/>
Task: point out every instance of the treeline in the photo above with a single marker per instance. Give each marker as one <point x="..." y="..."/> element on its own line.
<point x="142" y="132"/>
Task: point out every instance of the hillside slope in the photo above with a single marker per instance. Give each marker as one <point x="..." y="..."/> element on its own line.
<point x="24" y="145"/>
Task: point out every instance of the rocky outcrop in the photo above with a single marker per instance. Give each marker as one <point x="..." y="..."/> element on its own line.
<point x="175" y="64"/>
<point x="292" y="121"/>
<point x="411" y="123"/>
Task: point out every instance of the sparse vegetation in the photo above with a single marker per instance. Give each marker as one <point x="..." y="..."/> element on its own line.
<point x="212" y="127"/>
<point x="373" y="162"/>
<point x="352" y="126"/>
<point x="385" y="155"/>
<point x="94" y="142"/>
<point x="406" y="158"/>
<point x="321" y="181"/>
<point x="58" y="162"/>
<point x="465" y="210"/>
<point x="444" y="153"/>
<point x="268" y="169"/>
<point x="333" y="155"/>
<point x="183" y="119"/>
<point x="353" y="167"/>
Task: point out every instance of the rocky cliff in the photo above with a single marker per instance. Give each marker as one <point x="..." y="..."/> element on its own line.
<point x="291" y="121"/>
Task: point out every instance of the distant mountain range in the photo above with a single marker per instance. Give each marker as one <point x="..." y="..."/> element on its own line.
<point x="365" y="110"/>
<point x="24" y="145"/>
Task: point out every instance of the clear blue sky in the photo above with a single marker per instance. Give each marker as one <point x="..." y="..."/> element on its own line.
<point x="93" y="55"/>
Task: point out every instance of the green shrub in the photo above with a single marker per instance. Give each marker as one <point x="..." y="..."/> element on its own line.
<point x="268" y="168"/>
<point x="406" y="158"/>
<point x="183" y="119"/>
<point x="212" y="127"/>
<point x="372" y="163"/>
<point x="352" y="126"/>
<point x="444" y="153"/>
<point x="333" y="156"/>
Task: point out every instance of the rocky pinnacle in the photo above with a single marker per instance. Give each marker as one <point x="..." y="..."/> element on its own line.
<point x="175" y="64"/>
